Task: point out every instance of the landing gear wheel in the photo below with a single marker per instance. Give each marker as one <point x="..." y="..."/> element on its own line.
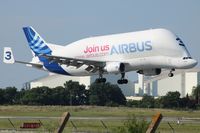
<point x="170" y="74"/>
<point x="119" y="81"/>
<point x="97" y="81"/>
<point x="100" y="80"/>
<point x="103" y="80"/>
<point x="122" y="81"/>
<point x="122" y="71"/>
<point x="125" y="81"/>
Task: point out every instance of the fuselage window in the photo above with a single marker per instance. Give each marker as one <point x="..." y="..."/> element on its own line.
<point x="187" y="58"/>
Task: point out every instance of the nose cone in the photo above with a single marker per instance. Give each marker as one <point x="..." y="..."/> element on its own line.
<point x="186" y="63"/>
<point x="190" y="63"/>
<point x="193" y="62"/>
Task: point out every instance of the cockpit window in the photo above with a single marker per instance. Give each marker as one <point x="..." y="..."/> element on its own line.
<point x="187" y="54"/>
<point x="185" y="58"/>
<point x="180" y="41"/>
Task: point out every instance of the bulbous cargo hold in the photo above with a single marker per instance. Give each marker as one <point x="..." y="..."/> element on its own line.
<point x="147" y="52"/>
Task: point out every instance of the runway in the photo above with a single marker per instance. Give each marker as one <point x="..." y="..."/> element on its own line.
<point x="165" y="119"/>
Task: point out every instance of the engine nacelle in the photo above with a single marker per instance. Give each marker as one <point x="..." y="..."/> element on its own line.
<point x="114" y="67"/>
<point x="150" y="72"/>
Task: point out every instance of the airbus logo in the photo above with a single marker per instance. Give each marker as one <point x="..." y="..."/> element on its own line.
<point x="120" y="48"/>
<point x="131" y="47"/>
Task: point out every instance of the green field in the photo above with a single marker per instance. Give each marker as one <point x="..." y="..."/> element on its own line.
<point x="93" y="111"/>
<point x="89" y="111"/>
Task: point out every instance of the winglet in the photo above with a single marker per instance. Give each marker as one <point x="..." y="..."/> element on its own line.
<point x="8" y="56"/>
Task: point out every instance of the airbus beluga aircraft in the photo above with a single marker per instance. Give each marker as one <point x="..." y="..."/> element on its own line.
<point x="147" y="52"/>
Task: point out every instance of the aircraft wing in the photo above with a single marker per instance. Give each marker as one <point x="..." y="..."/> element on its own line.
<point x="93" y="66"/>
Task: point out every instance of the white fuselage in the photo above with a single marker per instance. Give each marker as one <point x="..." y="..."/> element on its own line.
<point x="147" y="52"/>
<point x="154" y="48"/>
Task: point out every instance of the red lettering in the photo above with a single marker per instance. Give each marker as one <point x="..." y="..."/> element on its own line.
<point x="107" y="47"/>
<point x="90" y="49"/>
<point x="94" y="49"/>
<point x="86" y="50"/>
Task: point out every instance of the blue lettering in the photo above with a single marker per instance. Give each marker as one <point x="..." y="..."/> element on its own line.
<point x="114" y="50"/>
<point x="125" y="48"/>
<point x="131" y="47"/>
<point x="148" y="45"/>
<point x="119" y="48"/>
<point x="140" y="46"/>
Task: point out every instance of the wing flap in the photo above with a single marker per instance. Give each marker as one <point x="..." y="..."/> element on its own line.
<point x="92" y="65"/>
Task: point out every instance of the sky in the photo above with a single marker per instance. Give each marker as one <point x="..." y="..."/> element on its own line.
<point x="64" y="21"/>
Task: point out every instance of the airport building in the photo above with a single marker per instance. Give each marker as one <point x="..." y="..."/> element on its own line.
<point x="183" y="82"/>
<point x="54" y="80"/>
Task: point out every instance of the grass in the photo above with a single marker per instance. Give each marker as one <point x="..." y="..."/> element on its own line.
<point x="93" y="111"/>
<point x="90" y="111"/>
<point x="183" y="128"/>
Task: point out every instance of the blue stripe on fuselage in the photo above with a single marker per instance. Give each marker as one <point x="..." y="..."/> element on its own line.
<point x="53" y="67"/>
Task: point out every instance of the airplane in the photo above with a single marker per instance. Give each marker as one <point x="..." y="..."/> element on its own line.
<point x="148" y="52"/>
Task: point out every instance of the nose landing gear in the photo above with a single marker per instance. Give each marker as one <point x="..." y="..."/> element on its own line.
<point x="171" y="73"/>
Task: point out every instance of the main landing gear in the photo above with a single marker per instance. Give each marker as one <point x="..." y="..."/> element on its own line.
<point x="122" y="80"/>
<point x="171" y="73"/>
<point x="100" y="79"/>
<point x="122" y="70"/>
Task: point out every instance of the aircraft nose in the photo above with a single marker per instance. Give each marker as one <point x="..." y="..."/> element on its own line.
<point x="189" y="63"/>
<point x="194" y="62"/>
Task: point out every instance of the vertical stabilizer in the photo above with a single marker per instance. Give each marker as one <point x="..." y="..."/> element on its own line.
<point x="36" y="42"/>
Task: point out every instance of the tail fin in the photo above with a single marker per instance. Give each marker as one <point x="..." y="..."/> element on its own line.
<point x="8" y="56"/>
<point x="35" y="41"/>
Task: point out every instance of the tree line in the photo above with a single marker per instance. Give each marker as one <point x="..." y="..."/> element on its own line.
<point x="72" y="93"/>
<point x="171" y="100"/>
<point x="100" y="94"/>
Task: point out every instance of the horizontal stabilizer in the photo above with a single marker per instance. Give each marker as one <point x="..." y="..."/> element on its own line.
<point x="30" y="63"/>
<point x="8" y="58"/>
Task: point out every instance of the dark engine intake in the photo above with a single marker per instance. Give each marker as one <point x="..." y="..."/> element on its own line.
<point x="150" y="72"/>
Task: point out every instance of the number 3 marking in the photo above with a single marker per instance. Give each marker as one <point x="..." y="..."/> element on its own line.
<point x="8" y="55"/>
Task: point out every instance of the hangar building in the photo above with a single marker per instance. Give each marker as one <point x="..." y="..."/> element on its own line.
<point x="54" y="80"/>
<point x="183" y="81"/>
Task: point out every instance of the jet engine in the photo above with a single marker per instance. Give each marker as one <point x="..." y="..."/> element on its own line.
<point x="150" y="72"/>
<point x="114" y="67"/>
